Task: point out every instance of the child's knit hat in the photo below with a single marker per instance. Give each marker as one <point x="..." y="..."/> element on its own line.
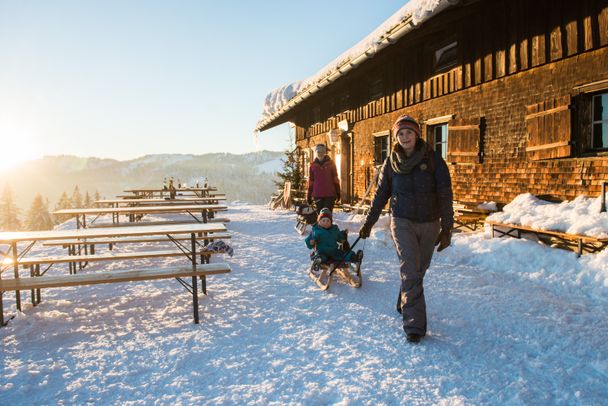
<point x="324" y="213"/>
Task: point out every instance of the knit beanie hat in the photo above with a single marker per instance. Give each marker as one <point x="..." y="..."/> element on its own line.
<point x="324" y="213"/>
<point x="406" y="121"/>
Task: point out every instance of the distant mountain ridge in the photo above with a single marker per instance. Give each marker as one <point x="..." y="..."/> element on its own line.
<point x="247" y="177"/>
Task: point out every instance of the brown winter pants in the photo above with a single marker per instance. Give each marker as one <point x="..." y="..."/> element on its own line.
<point x="415" y="243"/>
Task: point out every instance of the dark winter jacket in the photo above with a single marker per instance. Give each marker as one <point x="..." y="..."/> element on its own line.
<point x="423" y="195"/>
<point x="327" y="240"/>
<point x="323" y="179"/>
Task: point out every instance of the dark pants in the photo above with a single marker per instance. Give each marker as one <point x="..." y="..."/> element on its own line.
<point x="325" y="202"/>
<point x="415" y="243"/>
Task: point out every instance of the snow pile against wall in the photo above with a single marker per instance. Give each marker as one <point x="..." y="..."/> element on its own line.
<point x="414" y="13"/>
<point x="579" y="216"/>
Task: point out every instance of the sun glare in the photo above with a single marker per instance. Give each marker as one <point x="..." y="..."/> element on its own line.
<point x="17" y="145"/>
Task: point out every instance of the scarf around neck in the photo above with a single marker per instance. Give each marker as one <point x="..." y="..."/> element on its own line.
<point x="403" y="164"/>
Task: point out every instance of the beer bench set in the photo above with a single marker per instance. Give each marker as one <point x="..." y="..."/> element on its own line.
<point x="577" y="242"/>
<point x="190" y="241"/>
<point x="469" y="216"/>
<point x="138" y="212"/>
<point x="151" y="193"/>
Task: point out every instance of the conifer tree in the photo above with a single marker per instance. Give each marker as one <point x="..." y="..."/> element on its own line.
<point x="76" y="198"/>
<point x="38" y="216"/>
<point x="87" y="200"/>
<point x="97" y="196"/>
<point x="292" y="171"/>
<point x="64" y="203"/>
<point x="9" y="213"/>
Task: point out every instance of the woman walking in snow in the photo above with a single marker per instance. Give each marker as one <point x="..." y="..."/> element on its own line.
<point x="416" y="180"/>
<point x="323" y="182"/>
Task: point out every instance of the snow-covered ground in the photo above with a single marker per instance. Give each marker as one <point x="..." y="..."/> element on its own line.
<point x="511" y="322"/>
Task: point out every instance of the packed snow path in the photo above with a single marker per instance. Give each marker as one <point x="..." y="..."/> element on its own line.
<point x="510" y="321"/>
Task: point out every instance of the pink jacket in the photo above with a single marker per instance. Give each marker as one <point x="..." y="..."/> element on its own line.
<point x="323" y="179"/>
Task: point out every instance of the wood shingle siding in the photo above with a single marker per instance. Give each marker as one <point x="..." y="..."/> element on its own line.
<point x="516" y="94"/>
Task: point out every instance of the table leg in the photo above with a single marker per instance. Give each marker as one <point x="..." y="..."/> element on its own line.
<point x="38" y="290"/>
<point x="32" y="291"/>
<point x="194" y="278"/>
<point x="2" y="323"/>
<point x="16" y="272"/>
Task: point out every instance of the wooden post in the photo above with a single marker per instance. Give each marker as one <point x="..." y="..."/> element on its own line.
<point x="603" y="208"/>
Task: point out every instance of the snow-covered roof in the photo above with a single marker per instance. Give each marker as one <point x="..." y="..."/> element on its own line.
<point x="411" y="15"/>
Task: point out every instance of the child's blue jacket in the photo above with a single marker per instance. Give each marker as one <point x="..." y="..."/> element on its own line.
<point x="327" y="240"/>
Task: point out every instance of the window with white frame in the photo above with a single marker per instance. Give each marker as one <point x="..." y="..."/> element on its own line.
<point x="599" y="123"/>
<point x="381" y="147"/>
<point x="438" y="136"/>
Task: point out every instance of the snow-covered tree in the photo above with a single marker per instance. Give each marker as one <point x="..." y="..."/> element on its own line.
<point x="38" y="216"/>
<point x="9" y="213"/>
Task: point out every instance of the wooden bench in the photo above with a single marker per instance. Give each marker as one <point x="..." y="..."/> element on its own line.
<point x="78" y="260"/>
<point x="469" y="216"/>
<point x="28" y="261"/>
<point x="113" y="241"/>
<point x="577" y="242"/>
<point x="40" y="282"/>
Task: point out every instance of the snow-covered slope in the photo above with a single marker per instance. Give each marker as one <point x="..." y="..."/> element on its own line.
<point x="510" y="322"/>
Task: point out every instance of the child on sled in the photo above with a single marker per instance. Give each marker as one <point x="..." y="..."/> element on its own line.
<point x="325" y="239"/>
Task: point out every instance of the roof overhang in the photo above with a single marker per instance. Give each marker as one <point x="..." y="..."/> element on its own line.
<point x="326" y="77"/>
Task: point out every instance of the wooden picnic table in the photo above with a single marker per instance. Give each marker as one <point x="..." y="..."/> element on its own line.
<point x="469" y="215"/>
<point x="17" y="252"/>
<point x="161" y="192"/>
<point x="82" y="213"/>
<point x="157" y="201"/>
<point x="577" y="242"/>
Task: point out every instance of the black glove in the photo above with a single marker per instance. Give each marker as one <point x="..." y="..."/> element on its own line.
<point x="444" y="239"/>
<point x="365" y="230"/>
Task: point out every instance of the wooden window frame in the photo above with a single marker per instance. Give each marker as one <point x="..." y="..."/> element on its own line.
<point x="432" y="137"/>
<point x="594" y="121"/>
<point x="382" y="134"/>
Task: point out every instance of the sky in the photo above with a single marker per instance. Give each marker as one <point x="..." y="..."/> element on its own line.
<point x="122" y="79"/>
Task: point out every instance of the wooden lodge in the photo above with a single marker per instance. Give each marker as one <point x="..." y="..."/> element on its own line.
<point x="513" y="92"/>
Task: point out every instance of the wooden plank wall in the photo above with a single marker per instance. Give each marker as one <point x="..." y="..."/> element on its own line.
<point x="501" y="38"/>
<point x="531" y="52"/>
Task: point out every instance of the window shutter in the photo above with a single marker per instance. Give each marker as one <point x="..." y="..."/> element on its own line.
<point x="464" y="141"/>
<point x="549" y="126"/>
